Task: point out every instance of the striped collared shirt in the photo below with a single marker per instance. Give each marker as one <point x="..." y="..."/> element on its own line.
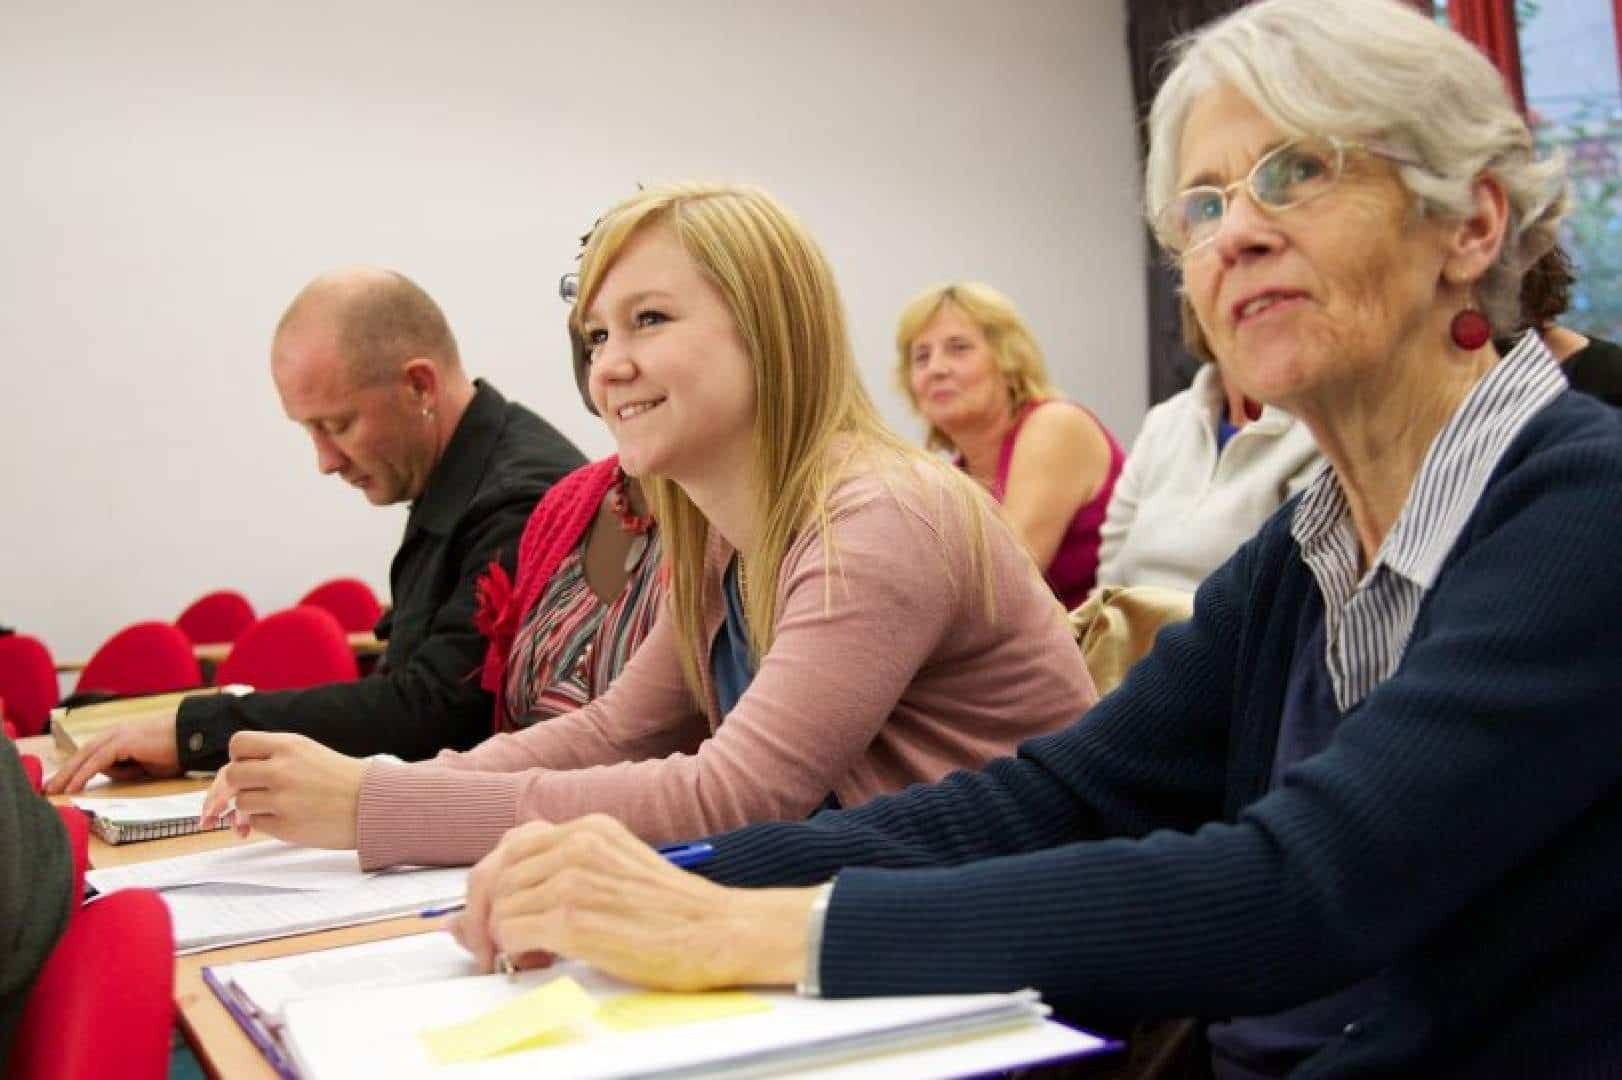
<point x="1367" y="621"/>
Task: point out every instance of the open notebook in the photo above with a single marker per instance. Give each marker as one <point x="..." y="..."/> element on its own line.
<point x="119" y="821"/>
<point x="379" y="1008"/>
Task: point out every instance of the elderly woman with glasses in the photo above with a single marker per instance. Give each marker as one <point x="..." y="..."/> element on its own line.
<point x="1362" y="814"/>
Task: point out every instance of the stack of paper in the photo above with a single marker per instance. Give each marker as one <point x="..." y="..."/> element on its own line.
<point x="257" y="992"/>
<point x="569" y="1020"/>
<point x="253" y="892"/>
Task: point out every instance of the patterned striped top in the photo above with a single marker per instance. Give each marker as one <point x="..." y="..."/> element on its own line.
<point x="572" y="645"/>
<point x="1367" y="620"/>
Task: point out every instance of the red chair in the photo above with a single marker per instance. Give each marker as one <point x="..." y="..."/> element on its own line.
<point x="299" y="647"/>
<point x="146" y="658"/>
<point x="34" y="769"/>
<point x="89" y="1017"/>
<point x="214" y="617"/>
<point x="27" y="683"/>
<point x="350" y="600"/>
<point x="78" y="826"/>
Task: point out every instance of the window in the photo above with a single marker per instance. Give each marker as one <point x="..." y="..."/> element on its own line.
<point x="1570" y="75"/>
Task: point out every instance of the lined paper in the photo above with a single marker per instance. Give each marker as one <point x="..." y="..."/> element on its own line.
<point x="255" y="892"/>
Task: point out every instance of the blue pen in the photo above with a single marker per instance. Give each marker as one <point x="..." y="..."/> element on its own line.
<point x="684" y="856"/>
<point x="687" y="856"/>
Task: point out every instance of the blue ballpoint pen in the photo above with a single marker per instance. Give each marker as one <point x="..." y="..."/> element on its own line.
<point x="684" y="856"/>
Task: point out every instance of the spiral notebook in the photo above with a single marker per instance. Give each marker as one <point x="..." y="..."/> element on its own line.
<point x="120" y="821"/>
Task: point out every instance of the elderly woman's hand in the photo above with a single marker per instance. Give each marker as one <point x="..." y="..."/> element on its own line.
<point x="590" y="891"/>
<point x="289" y="787"/>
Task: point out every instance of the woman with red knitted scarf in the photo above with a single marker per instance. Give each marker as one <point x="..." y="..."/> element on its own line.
<point x="587" y="591"/>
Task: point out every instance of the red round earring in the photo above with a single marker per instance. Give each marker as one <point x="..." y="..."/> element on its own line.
<point x="1470" y="330"/>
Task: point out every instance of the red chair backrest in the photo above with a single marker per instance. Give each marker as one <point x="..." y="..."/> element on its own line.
<point x="91" y="1016"/>
<point x="34" y="769"/>
<point x="299" y="647"/>
<point x="77" y="823"/>
<point x="27" y="683"/>
<point x="146" y="658"/>
<point x="218" y="616"/>
<point x="350" y="600"/>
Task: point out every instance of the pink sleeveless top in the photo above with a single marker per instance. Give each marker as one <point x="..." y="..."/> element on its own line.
<point x="1075" y="565"/>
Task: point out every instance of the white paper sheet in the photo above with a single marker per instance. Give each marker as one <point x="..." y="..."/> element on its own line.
<point x="375" y="1032"/>
<point x="254" y="892"/>
<point x="269" y="863"/>
<point x="210" y="916"/>
<point x="151" y="808"/>
<point x="271" y="983"/>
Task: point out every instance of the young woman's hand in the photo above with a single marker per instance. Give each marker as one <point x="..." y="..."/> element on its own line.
<point x="289" y="787"/>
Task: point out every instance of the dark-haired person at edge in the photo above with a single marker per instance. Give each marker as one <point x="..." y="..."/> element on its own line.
<point x="1593" y="365"/>
<point x="365" y="362"/>
<point x="1362" y="813"/>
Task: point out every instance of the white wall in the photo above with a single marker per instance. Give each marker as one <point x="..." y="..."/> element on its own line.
<point x="176" y="170"/>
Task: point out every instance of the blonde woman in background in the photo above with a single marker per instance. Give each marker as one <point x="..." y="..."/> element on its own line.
<point x="846" y="614"/>
<point x="974" y="372"/>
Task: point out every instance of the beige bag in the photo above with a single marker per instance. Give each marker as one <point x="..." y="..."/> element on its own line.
<point x="1116" y="627"/>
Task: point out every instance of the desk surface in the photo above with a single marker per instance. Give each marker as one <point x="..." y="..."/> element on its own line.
<point x="219" y="1043"/>
<point x="362" y="642"/>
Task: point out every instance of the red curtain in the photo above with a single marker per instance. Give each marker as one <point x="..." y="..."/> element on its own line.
<point x="1616" y="26"/>
<point x="1490" y="24"/>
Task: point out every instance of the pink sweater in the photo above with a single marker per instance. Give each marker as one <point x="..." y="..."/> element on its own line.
<point x="886" y="670"/>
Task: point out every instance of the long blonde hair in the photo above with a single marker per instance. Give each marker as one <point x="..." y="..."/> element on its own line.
<point x="1013" y="346"/>
<point x="809" y="397"/>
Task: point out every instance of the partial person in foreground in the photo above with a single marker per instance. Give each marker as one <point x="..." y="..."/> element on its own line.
<point x="1209" y="466"/>
<point x="973" y="370"/>
<point x="36" y="889"/>
<point x="1360" y="813"/>
<point x="365" y="362"/>
<point x="846" y="614"/>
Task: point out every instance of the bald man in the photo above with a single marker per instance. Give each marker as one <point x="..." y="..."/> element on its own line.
<point x="365" y="362"/>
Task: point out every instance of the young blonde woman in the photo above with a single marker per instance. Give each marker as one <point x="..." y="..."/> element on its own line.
<point x="846" y="616"/>
<point x="974" y="371"/>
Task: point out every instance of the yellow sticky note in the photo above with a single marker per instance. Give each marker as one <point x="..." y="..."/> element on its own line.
<point x="547" y="1014"/>
<point x="653" y="1009"/>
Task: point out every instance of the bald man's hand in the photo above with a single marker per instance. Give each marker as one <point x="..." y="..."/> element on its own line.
<point x="141" y="747"/>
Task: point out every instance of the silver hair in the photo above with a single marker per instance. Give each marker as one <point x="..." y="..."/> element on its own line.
<point x="1376" y="68"/>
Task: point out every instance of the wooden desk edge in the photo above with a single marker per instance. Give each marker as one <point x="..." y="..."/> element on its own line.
<point x="362" y="642"/>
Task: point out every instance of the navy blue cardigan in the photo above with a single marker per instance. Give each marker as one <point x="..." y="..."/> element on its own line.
<point x="1462" y="832"/>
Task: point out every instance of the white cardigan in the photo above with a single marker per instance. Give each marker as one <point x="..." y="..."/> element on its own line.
<point x="1180" y="509"/>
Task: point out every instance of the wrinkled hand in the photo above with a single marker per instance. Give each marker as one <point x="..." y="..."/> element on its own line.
<point x="289" y="787"/>
<point x="589" y="890"/>
<point x="140" y="747"/>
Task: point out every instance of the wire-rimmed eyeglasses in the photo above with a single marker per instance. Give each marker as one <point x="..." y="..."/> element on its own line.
<point x="1293" y="173"/>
